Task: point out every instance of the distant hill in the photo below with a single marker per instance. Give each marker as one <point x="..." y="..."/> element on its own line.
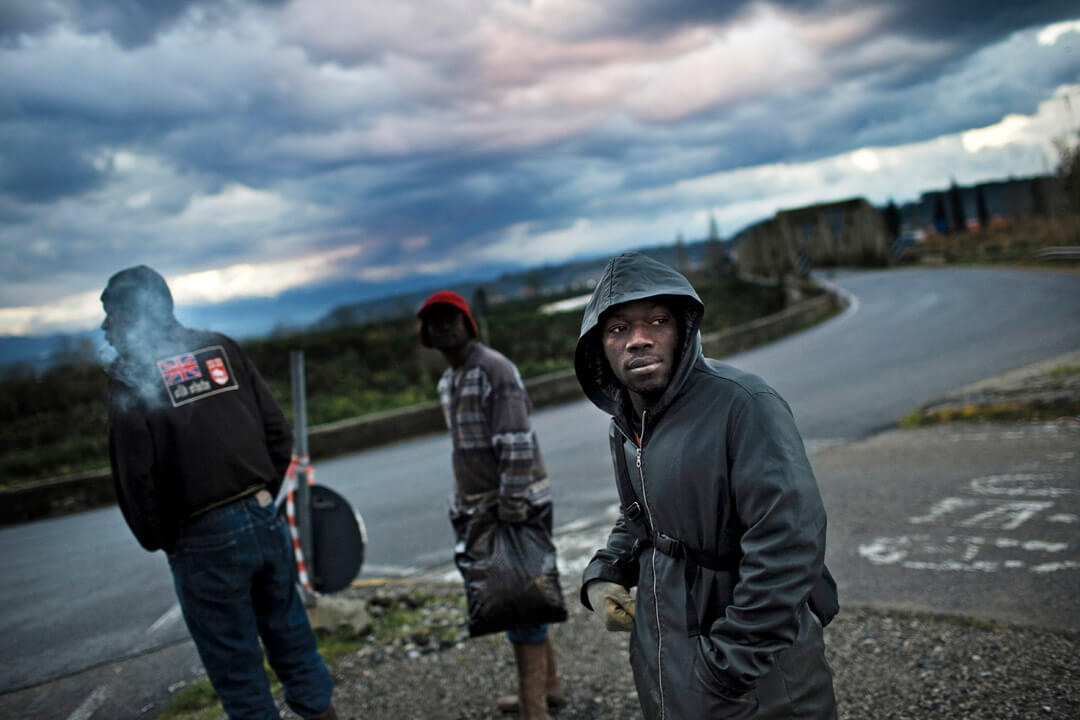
<point x="36" y="352"/>
<point x="543" y="279"/>
<point x="350" y="303"/>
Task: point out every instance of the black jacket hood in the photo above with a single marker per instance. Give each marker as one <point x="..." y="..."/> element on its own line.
<point x="633" y="276"/>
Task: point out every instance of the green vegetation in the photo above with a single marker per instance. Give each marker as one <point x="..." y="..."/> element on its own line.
<point x="55" y="424"/>
<point x="1005" y="411"/>
<point x="1063" y="373"/>
<point x="434" y="620"/>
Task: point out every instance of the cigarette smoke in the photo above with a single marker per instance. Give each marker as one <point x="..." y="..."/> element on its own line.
<point x="140" y="331"/>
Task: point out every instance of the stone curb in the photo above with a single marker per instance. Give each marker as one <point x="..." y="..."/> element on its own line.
<point x="1008" y="392"/>
<point x="92" y="489"/>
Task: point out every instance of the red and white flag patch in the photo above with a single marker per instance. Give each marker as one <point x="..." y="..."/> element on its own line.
<point x="218" y="371"/>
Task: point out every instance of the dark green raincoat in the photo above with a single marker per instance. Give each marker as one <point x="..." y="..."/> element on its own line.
<point x="722" y="475"/>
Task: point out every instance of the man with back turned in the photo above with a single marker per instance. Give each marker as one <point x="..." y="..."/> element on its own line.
<point x="198" y="449"/>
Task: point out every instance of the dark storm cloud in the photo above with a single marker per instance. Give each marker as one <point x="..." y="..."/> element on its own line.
<point x="18" y="17"/>
<point x="651" y="18"/>
<point x="50" y="163"/>
<point x="974" y="22"/>
<point x="130" y="23"/>
<point x="966" y="23"/>
<point x="213" y="135"/>
<point x="441" y="199"/>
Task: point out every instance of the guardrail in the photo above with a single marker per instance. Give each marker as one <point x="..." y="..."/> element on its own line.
<point x="65" y="495"/>
<point x="1067" y="253"/>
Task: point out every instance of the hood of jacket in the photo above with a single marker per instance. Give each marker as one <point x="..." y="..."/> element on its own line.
<point x="628" y="277"/>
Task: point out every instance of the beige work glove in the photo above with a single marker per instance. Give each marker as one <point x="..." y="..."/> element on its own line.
<point x="614" y="601"/>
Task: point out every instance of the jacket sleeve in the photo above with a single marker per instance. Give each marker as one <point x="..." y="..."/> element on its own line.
<point x="616" y="562"/>
<point x="783" y="546"/>
<point x="131" y="457"/>
<point x="279" y="437"/>
<point x="512" y="438"/>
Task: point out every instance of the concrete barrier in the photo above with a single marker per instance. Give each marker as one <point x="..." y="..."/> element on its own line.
<point x="60" y="496"/>
<point x="94" y="489"/>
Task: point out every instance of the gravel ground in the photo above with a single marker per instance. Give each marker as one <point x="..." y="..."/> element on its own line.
<point x="887" y="665"/>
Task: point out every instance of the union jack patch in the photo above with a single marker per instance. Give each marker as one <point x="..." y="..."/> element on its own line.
<point x="179" y="368"/>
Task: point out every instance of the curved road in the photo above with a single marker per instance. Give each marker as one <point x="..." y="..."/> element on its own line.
<point x="79" y="591"/>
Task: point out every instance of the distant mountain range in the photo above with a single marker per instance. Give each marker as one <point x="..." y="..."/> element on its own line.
<point x="581" y="274"/>
<point x="347" y="303"/>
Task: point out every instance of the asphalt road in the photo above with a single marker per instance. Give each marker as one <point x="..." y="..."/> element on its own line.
<point x="79" y="592"/>
<point x="973" y="520"/>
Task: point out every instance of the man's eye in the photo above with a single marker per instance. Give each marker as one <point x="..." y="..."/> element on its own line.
<point x="615" y="329"/>
<point x="659" y="320"/>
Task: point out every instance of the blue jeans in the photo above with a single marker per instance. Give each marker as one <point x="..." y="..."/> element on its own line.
<point x="236" y="580"/>
<point x="528" y="635"/>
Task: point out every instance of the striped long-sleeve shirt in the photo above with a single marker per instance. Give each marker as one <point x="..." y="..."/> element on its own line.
<point x="487" y="411"/>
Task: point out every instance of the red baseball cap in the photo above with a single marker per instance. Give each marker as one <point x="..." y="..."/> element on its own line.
<point x="445" y="297"/>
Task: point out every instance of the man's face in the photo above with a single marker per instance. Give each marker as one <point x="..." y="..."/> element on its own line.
<point x="640" y="340"/>
<point x="120" y="326"/>
<point x="446" y="328"/>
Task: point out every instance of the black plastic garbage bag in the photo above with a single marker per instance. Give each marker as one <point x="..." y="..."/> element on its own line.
<point x="509" y="569"/>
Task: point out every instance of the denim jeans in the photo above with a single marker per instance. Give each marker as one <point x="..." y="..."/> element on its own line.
<point x="236" y="580"/>
<point x="528" y="635"/>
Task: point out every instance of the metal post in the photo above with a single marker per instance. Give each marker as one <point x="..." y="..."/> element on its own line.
<point x="300" y="440"/>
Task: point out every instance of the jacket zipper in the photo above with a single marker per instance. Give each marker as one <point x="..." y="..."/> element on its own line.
<point x="656" y="602"/>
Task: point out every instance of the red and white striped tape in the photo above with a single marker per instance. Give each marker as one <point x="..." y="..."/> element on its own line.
<point x="290" y="514"/>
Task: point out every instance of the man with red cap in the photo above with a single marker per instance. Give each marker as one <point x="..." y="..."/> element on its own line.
<point x="495" y="456"/>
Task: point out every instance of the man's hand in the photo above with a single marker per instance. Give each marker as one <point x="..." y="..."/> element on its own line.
<point x="512" y="511"/>
<point x="614" y="601"/>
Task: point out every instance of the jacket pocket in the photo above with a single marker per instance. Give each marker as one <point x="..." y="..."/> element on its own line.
<point x="806" y="672"/>
<point x="718" y="700"/>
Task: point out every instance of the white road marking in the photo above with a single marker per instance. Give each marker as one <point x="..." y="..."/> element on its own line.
<point x="1019" y="484"/>
<point x="942" y="508"/>
<point x="998" y="516"/>
<point x="390" y="571"/>
<point x="853" y="303"/>
<point x="958" y="553"/>
<point x="1040" y="546"/>
<point x="1007" y="516"/>
<point x="1067" y="518"/>
<point x="1053" y="567"/>
<point x="171" y="615"/>
<point x="91" y="704"/>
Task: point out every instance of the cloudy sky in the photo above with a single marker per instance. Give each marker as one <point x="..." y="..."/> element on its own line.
<point x="249" y="149"/>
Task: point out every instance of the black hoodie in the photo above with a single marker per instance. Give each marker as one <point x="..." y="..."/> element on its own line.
<point x="192" y="426"/>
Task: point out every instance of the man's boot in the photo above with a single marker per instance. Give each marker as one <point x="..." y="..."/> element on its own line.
<point x="330" y="714"/>
<point x="532" y="678"/>
<point x="555" y="697"/>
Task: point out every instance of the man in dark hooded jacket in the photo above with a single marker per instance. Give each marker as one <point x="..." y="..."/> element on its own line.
<point x="198" y="448"/>
<point x="721" y="528"/>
